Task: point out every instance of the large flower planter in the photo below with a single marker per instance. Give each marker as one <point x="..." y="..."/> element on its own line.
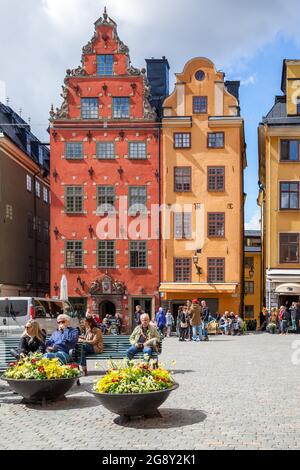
<point x="41" y="390"/>
<point x="128" y="405"/>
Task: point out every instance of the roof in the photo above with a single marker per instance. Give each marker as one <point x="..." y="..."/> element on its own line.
<point x="19" y="132"/>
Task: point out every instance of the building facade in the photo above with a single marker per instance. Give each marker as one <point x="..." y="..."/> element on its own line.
<point x="279" y="157"/>
<point x="105" y="151"/>
<point x="202" y="172"/>
<point x="253" y="278"/>
<point x="24" y="208"/>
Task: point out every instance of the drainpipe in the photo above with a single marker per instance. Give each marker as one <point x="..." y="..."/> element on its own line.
<point x="159" y="221"/>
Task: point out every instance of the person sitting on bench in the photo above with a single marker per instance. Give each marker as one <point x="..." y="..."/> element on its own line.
<point x="144" y="338"/>
<point x="62" y="340"/>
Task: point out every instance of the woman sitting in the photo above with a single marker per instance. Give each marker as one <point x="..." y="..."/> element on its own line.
<point x="92" y="341"/>
<point x="32" y="340"/>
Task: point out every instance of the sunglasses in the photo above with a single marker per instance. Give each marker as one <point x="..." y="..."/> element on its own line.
<point x="62" y="321"/>
<point x="27" y="326"/>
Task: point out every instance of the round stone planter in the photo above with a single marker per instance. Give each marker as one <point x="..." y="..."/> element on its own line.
<point x="41" y="390"/>
<point x="128" y="405"/>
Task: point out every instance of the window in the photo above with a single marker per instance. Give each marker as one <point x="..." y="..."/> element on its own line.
<point x="216" y="224"/>
<point x="106" y="254"/>
<point x="29" y="183"/>
<point x="289" y="247"/>
<point x="47" y="273"/>
<point x="74" y="254"/>
<point x="216" y="179"/>
<point x="215" y="140"/>
<point x="249" y="312"/>
<point x="182" y="140"/>
<point x="137" y="150"/>
<point x="138" y="254"/>
<point x="105" y="64"/>
<point x="182" y="269"/>
<point x="39" y="272"/>
<point x="9" y="212"/>
<point x="46" y="231"/>
<point x="298" y="105"/>
<point x="30" y="225"/>
<point x="106" y="150"/>
<point x="216" y="270"/>
<point x="182" y="179"/>
<point x="200" y="104"/>
<point x="182" y="225"/>
<point x="249" y="287"/>
<point x="41" y="155"/>
<point x="74" y="150"/>
<point x="249" y="262"/>
<point x="39" y="228"/>
<point x="89" y="108"/>
<point x="37" y="189"/>
<point x="45" y="194"/>
<point x="74" y="199"/>
<point x="106" y="199"/>
<point x="289" y="150"/>
<point x="120" y="108"/>
<point x="137" y="199"/>
<point x="289" y="195"/>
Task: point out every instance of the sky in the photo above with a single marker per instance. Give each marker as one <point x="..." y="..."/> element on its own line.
<point x="40" y="39"/>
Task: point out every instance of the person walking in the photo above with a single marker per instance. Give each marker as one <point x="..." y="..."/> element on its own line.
<point x="183" y="317"/>
<point x="161" y="320"/>
<point x="137" y="316"/>
<point x="205" y="319"/>
<point x="293" y="316"/>
<point x="196" y="320"/>
<point x="169" y="322"/>
<point x="189" y="312"/>
<point x="283" y="317"/>
<point x="178" y="322"/>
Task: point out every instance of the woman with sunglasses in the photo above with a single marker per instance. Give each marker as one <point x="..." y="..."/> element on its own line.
<point x="32" y="340"/>
<point x="92" y="341"/>
<point x="62" y="341"/>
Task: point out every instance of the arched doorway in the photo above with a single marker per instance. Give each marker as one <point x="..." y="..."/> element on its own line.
<point x="107" y="308"/>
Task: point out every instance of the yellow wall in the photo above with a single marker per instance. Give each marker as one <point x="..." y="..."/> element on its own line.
<point x="254" y="299"/>
<point x="199" y="157"/>
<point x="276" y="220"/>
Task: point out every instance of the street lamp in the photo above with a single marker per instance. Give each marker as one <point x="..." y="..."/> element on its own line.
<point x="196" y="261"/>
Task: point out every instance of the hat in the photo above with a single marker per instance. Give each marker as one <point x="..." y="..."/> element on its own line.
<point x="195" y="301"/>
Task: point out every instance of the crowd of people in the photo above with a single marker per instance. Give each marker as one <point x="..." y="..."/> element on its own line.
<point x="281" y="320"/>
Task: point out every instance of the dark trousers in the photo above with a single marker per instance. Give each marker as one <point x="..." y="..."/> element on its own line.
<point x="86" y="349"/>
<point x="183" y="333"/>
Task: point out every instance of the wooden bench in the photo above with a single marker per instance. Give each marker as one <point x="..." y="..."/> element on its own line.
<point x="115" y="347"/>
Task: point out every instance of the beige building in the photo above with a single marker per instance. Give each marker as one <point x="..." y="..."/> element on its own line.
<point x="24" y="208"/>
<point x="279" y="170"/>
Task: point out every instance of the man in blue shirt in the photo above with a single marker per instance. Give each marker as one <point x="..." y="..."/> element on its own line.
<point x="62" y="340"/>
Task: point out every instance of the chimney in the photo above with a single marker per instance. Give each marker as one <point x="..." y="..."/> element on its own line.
<point x="158" y="77"/>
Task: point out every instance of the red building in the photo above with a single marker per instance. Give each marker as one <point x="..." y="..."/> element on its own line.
<point x="105" y="142"/>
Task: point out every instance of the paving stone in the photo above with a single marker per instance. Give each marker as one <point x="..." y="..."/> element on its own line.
<point x="227" y="399"/>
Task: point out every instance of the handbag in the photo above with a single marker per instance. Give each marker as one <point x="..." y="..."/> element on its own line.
<point x="183" y="325"/>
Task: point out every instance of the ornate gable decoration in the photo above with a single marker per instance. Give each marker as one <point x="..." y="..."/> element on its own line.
<point x="107" y="286"/>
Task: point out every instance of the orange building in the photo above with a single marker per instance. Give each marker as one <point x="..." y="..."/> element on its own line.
<point x="203" y="163"/>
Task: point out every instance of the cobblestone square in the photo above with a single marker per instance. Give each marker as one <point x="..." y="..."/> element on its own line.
<point x="235" y="393"/>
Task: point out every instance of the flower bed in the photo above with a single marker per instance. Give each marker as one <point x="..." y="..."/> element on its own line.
<point x="40" y="368"/>
<point x="134" y="378"/>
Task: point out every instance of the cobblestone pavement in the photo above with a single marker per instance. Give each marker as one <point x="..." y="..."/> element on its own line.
<point x="235" y="393"/>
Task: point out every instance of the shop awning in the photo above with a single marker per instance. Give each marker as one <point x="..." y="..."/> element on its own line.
<point x="288" y="289"/>
<point x="198" y="287"/>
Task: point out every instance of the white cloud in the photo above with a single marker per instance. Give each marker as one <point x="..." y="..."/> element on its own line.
<point x="255" y="221"/>
<point x="40" y="39"/>
<point x="249" y="80"/>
